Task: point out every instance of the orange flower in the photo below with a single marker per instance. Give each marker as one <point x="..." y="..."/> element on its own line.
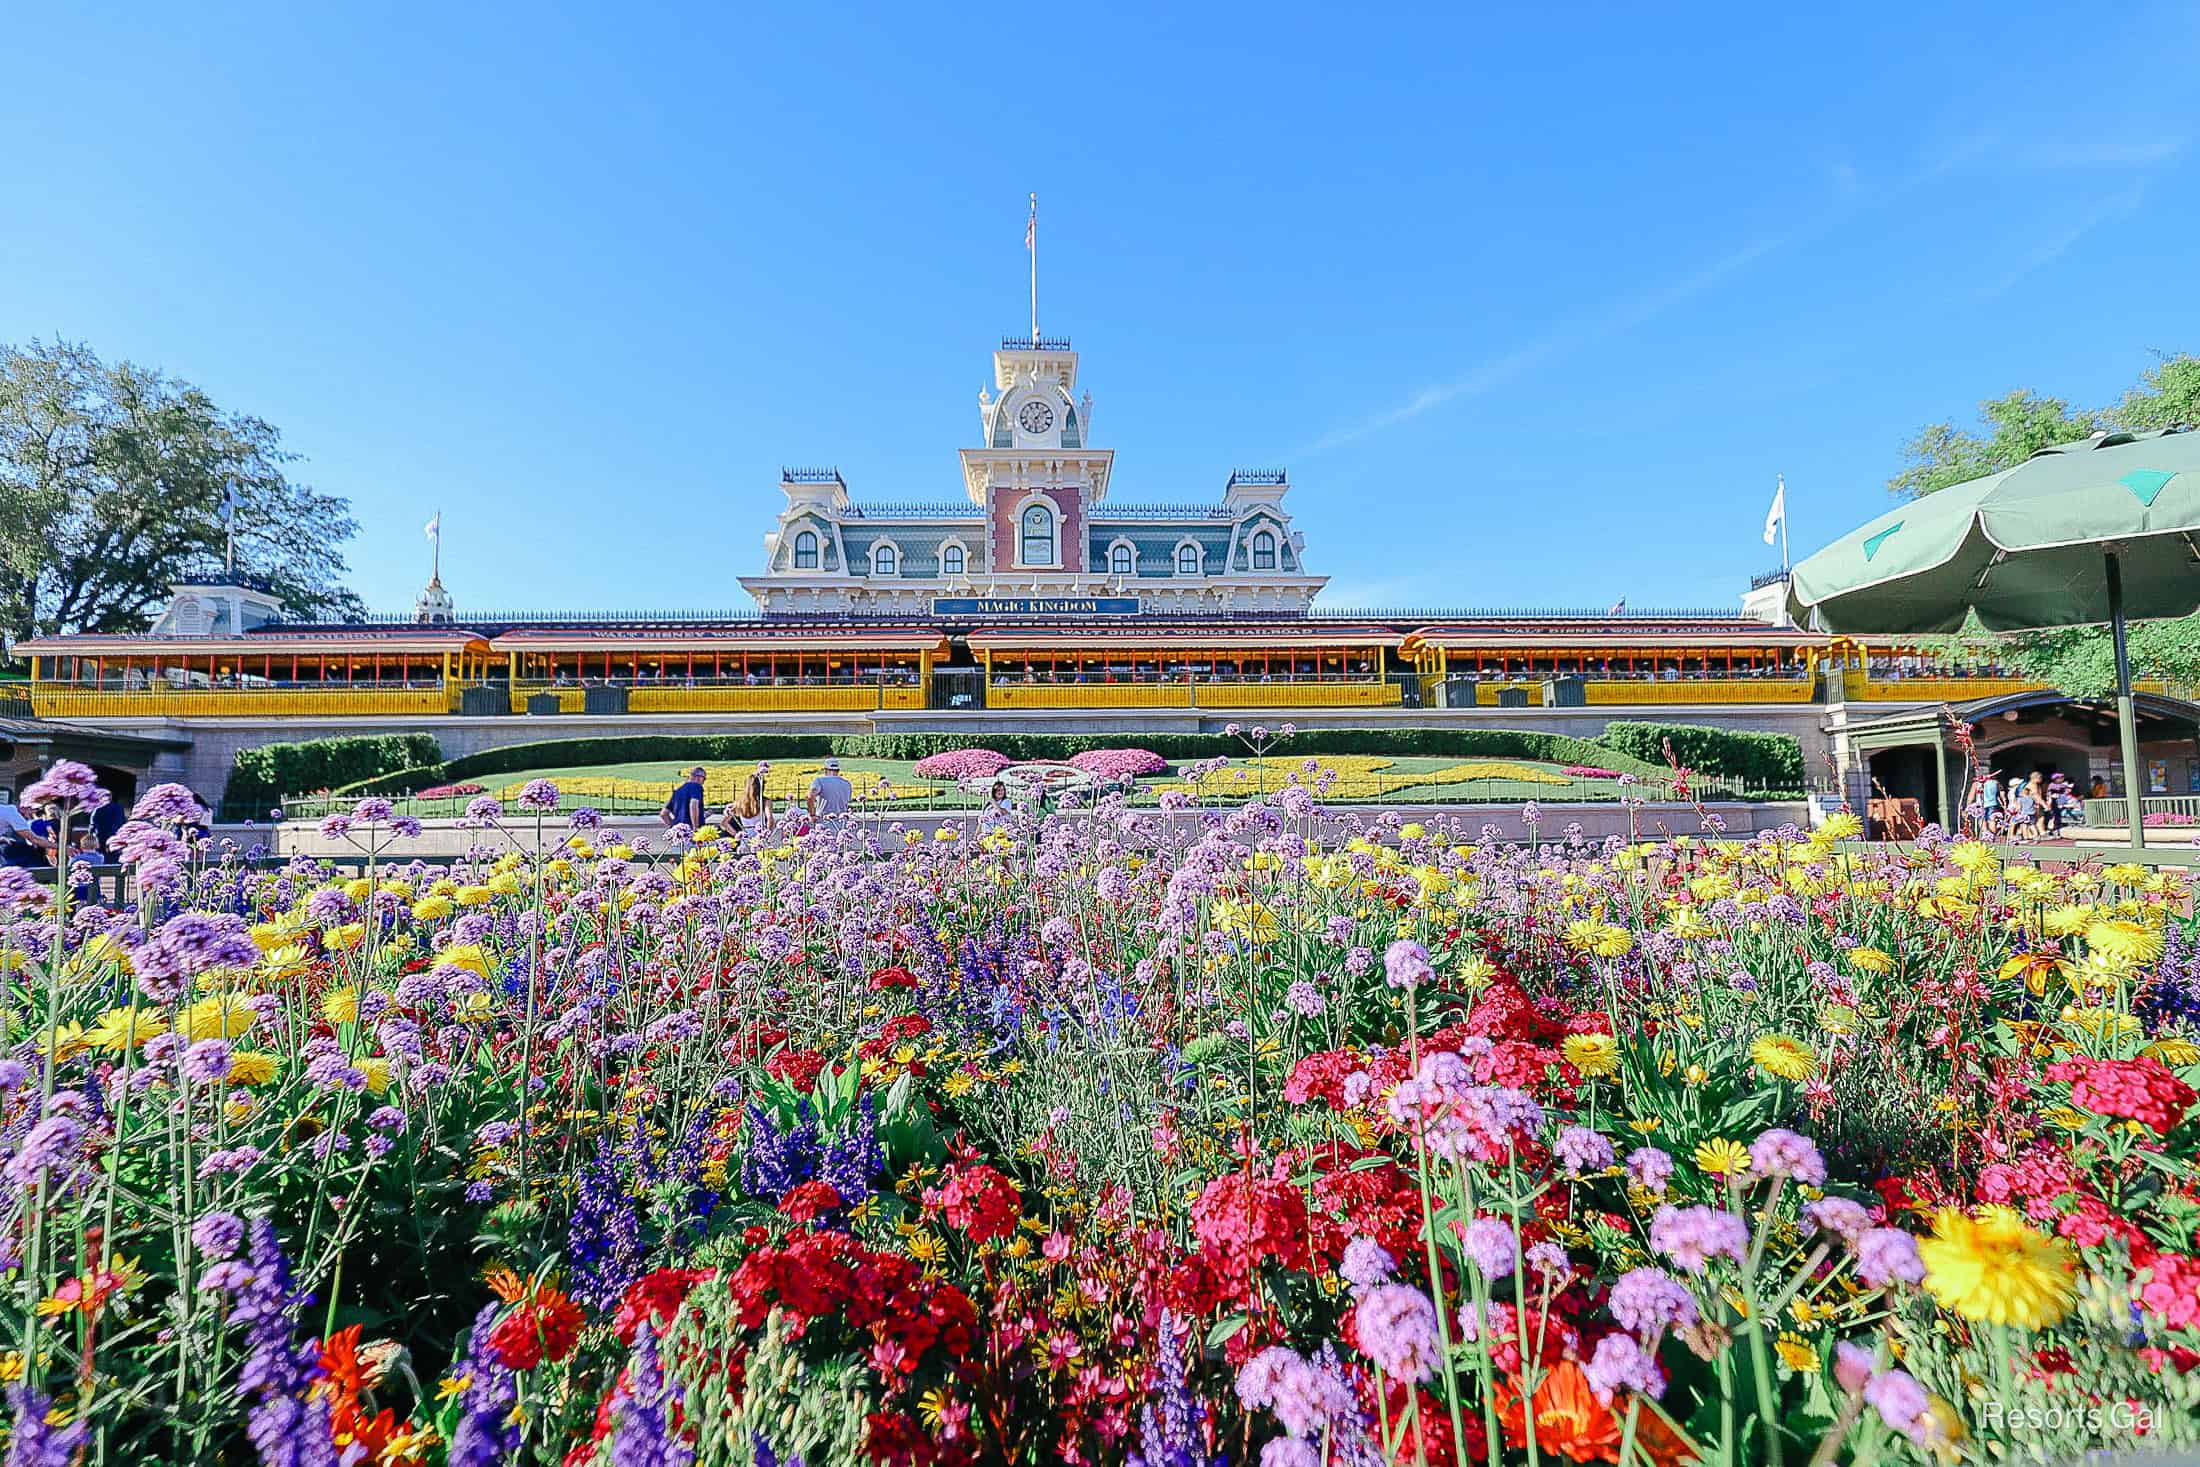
<point x="1572" y="1422"/>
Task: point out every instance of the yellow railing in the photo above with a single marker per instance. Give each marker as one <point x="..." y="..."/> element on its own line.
<point x="1620" y="692"/>
<point x="1194" y="695"/>
<point x="723" y="698"/>
<point x="59" y="700"/>
<point x="1860" y="686"/>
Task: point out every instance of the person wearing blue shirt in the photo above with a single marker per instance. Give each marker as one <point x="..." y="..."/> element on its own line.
<point x="686" y="805"/>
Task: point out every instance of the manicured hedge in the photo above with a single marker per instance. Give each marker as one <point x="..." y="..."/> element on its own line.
<point x="635" y="748"/>
<point x="1765" y="760"/>
<point x="260" y="777"/>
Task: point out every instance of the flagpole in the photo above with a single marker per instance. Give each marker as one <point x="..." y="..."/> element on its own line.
<point x="435" y="568"/>
<point x="1033" y="236"/>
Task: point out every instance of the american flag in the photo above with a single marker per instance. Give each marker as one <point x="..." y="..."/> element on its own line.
<point x="1031" y="230"/>
<point x="1617" y="607"/>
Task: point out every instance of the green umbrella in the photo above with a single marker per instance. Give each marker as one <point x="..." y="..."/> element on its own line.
<point x="2076" y="534"/>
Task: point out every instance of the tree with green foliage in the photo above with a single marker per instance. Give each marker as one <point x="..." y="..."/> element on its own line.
<point x="2078" y="660"/>
<point x="113" y="482"/>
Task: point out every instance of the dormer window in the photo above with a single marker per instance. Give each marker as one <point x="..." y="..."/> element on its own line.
<point x="1264" y="551"/>
<point x="805" y="550"/>
<point x="1037" y="539"/>
<point x="1119" y="561"/>
<point x="1187" y="560"/>
<point x="884" y="562"/>
<point x="951" y="561"/>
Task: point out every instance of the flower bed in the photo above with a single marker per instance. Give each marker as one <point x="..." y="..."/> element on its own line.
<point x="957" y="764"/>
<point x="1140" y="1139"/>
<point x="1120" y="763"/>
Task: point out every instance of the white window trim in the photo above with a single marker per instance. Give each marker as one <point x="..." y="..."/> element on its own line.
<point x="1275" y="549"/>
<point x="1017" y="529"/>
<point x="794" y="547"/>
<point x="890" y="543"/>
<point x="1122" y="542"/>
<point x="954" y="542"/>
<point x="1176" y="556"/>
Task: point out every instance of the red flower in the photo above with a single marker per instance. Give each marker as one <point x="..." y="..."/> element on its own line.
<point x="2141" y="1090"/>
<point x="808" y="1201"/>
<point x="894" y="977"/>
<point x="1322" y="1076"/>
<point x="2174" y="1291"/>
<point x="655" y="1296"/>
<point x="545" y="1327"/>
<point x="798" y="1067"/>
<point x="1244" y="1220"/>
<point x="979" y="1200"/>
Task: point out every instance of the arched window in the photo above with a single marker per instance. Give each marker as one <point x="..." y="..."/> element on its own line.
<point x="1264" y="551"/>
<point x="1119" y="560"/>
<point x="1187" y="560"/>
<point x="884" y="562"/>
<point x="805" y="550"/>
<point x="951" y="561"/>
<point x="1038" y="536"/>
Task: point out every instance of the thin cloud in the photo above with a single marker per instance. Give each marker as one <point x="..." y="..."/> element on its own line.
<point x="2057" y="244"/>
<point x="2106" y="153"/>
<point x="1624" y="316"/>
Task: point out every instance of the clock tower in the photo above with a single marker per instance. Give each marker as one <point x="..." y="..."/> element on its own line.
<point x="1035" y="479"/>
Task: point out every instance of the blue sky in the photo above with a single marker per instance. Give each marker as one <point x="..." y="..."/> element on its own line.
<point x="1533" y="306"/>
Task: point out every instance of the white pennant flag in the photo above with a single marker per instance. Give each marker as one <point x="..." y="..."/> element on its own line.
<point x="435" y="527"/>
<point x="1776" y="517"/>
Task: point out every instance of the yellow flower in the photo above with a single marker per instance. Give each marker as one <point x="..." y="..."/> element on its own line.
<point x="2173" y="1051"/>
<point x="377" y="1071"/>
<point x="68" y="1042"/>
<point x="121" y="1029"/>
<point x="1871" y="960"/>
<point x="1996" y="1269"/>
<point x="1841" y="825"/>
<point x="1794" y="1352"/>
<point x="1837" y="1018"/>
<point x="2035" y="970"/>
<point x="1601" y="938"/>
<point x="218" y="1016"/>
<point x="1972" y="856"/>
<point x="1688" y="923"/>
<point x="341" y="1005"/>
<point x="344" y="938"/>
<point x="1782" y="1057"/>
<point x="1722" y="1158"/>
<point x="474" y="896"/>
<point x="252" y="1067"/>
<point x="1595" y="1055"/>
<point x="467" y="955"/>
<point x="2132" y="943"/>
<point x="433" y="908"/>
<point x="927" y="1248"/>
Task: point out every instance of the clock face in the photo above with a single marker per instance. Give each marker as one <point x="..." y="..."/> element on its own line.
<point x="1035" y="417"/>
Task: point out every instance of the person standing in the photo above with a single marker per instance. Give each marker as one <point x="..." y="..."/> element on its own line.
<point x="686" y="805"/>
<point x="751" y="808"/>
<point x="830" y="793"/>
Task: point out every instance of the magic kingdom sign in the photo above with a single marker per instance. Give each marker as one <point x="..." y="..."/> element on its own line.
<point x="980" y="607"/>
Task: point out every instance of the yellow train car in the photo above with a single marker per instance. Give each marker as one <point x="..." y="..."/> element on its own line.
<point x="754" y="669"/>
<point x="1188" y="666"/>
<point x="1612" y="667"/>
<point x="355" y="672"/>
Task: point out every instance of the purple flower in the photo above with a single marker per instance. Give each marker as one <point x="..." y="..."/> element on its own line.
<point x="1783" y="1153"/>
<point x="373" y="810"/>
<point x="1582" y="1150"/>
<point x="1365" y="1264"/>
<point x="1397" y="1328"/>
<point x="287" y="1424"/>
<point x="191" y="945"/>
<point x="587" y="819"/>
<point x="1489" y="1241"/>
<point x="1693" y="1236"/>
<point x="1649" y="1169"/>
<point x="1406" y="964"/>
<point x="539" y="794"/>
<point x="68" y="786"/>
<point x="485" y="1435"/>
<point x="217" y="1234"/>
<point x="49" y="1144"/>
<point x="207" y="1061"/>
<point x="481" y="810"/>
<point x="1171" y="1426"/>
<point x="1902" y="1403"/>
<point x="335" y="827"/>
<point x="169" y="804"/>
<point x="642" y="1434"/>
<point x="1884" y="1255"/>
<point x="1840" y="1216"/>
<point x="1648" y="1300"/>
<point x="1852" y="1365"/>
<point x="34" y="1443"/>
<point x="1619" y="1363"/>
<point x="1304" y="999"/>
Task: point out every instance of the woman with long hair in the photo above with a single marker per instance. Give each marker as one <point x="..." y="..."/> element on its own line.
<point x="751" y="807"/>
